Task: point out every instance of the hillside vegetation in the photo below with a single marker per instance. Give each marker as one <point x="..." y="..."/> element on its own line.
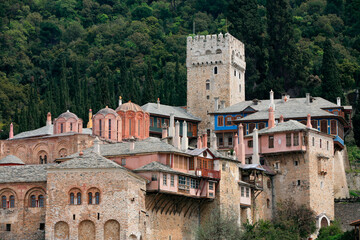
<point x="76" y="55"/>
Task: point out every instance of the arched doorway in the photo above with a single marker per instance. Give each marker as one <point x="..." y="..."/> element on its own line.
<point x="87" y="230"/>
<point x="324" y="222"/>
<point x="61" y="231"/>
<point x="112" y="230"/>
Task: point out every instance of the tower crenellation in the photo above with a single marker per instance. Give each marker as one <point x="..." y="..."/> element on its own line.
<point x="215" y="70"/>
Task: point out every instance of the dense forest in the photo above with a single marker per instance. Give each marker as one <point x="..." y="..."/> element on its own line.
<point x="79" y="54"/>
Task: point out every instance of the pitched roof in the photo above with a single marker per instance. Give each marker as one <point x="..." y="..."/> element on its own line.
<point x="159" y="167"/>
<point x="43" y="131"/>
<point x="292" y="108"/>
<point x="24" y="173"/>
<point x="11" y="159"/>
<point x="87" y="161"/>
<point x="291" y="125"/>
<point x="165" y="110"/>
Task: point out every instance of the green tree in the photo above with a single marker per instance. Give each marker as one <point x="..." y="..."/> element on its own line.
<point x="331" y="86"/>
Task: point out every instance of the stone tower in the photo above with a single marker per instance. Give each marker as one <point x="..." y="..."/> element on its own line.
<point x="215" y="75"/>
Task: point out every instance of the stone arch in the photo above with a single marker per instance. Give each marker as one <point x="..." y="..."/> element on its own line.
<point x="95" y="196"/>
<point x="61" y="231"/>
<point x="36" y="191"/>
<point x="112" y="230"/>
<point x="41" y="150"/>
<point x="87" y="230"/>
<point x="7" y="193"/>
<point x="132" y="237"/>
<point x="324" y="222"/>
<point x="63" y="152"/>
<point x="218" y="51"/>
<point x="20" y="151"/>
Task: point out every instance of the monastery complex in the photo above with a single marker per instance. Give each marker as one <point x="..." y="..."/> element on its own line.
<point x="157" y="171"/>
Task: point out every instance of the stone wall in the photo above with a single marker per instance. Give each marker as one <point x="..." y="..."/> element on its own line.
<point x="353" y="180"/>
<point x="346" y="212"/>
<point x="24" y="219"/>
<point x="341" y="189"/>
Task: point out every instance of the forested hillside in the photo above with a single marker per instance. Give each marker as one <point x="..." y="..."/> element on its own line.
<point x="76" y="55"/>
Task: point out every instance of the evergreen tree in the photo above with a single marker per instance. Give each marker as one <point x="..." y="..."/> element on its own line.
<point x="331" y="86"/>
<point x="149" y="94"/>
<point x="356" y="120"/>
<point x="247" y="26"/>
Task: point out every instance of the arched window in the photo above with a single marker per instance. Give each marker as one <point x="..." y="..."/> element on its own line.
<point x="100" y="127"/>
<point x="71" y="127"/>
<point x="90" y="198"/>
<point x="12" y="201"/>
<point x="33" y="201"/>
<point x="61" y="128"/>
<point x="218" y="51"/>
<point x="72" y="198"/>
<point x="45" y="159"/>
<point x="97" y="198"/>
<point x="41" y="201"/>
<point x="208" y="84"/>
<point x="109" y="128"/>
<point x="215" y="70"/>
<point x="78" y="198"/>
<point x="3" y="201"/>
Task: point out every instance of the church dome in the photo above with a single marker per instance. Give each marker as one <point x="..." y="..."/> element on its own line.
<point x="106" y="111"/>
<point x="68" y="115"/>
<point x="129" y="106"/>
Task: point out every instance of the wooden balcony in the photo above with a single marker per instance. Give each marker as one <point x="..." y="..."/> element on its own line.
<point x="208" y="173"/>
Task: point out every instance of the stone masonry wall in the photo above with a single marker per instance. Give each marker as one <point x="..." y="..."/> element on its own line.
<point x="346" y="212"/>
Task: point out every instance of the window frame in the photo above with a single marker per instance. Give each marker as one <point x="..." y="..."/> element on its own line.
<point x="220" y="121"/>
<point x="271" y="140"/>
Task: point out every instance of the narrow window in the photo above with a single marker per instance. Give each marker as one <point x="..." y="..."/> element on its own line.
<point x="333" y="127"/>
<point x="100" y="127"/>
<point x="98" y="216"/>
<point x="3" y="201"/>
<point x="239" y="75"/>
<point x="251" y="127"/>
<point x="288" y="139"/>
<point x="296" y="163"/>
<point x="298" y="182"/>
<point x="90" y="198"/>
<point x="191" y="164"/>
<point x="221" y="141"/>
<point x="296" y="139"/>
<point x="327" y="145"/>
<point x="164" y="179"/>
<point x="130" y="126"/>
<point x="32" y="201"/>
<point x="12" y="201"/>
<point x="97" y="198"/>
<point x="109" y="128"/>
<point x="228" y="121"/>
<point x="151" y="122"/>
<point x="271" y="141"/>
<point x="61" y="128"/>
<point x="211" y="186"/>
<point x="123" y="161"/>
<point x="239" y="86"/>
<point x="78" y="196"/>
<point x="220" y="121"/>
<point x="320" y="143"/>
<point x="172" y="180"/>
<point x="242" y="192"/>
<point x="324" y="126"/>
<point x="268" y="203"/>
<point x="247" y="192"/>
<point x="42" y="227"/>
<point x="72" y="198"/>
<point x="314" y="124"/>
<point x="215" y="70"/>
<point x="153" y="177"/>
<point x="230" y="141"/>
<point x="73" y="216"/>
<point x="139" y="127"/>
<point x="313" y="141"/>
<point x="250" y="143"/>
<point x="71" y="128"/>
<point x="45" y="159"/>
<point x="207" y="85"/>
<point x="8" y="227"/>
<point x="158" y="123"/>
<point x="235" y="73"/>
<point x="166" y="122"/>
<point x="41" y="201"/>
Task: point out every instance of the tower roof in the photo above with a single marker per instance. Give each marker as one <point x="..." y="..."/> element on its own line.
<point x="68" y="115"/>
<point x="106" y="111"/>
<point x="129" y="106"/>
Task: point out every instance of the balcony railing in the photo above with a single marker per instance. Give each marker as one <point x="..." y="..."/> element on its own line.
<point x="209" y="173"/>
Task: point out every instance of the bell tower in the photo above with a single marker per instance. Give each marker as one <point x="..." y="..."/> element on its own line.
<point x="215" y="75"/>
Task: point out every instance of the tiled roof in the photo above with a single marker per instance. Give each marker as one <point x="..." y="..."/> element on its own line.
<point x="291" y="125"/>
<point x="11" y="159"/>
<point x="129" y="106"/>
<point x="106" y="111"/>
<point x="68" y="115"/>
<point x="165" y="110"/>
<point x="43" y="131"/>
<point x="159" y="167"/>
<point x="252" y="166"/>
<point x="86" y="161"/>
<point x="25" y="173"/>
<point x="292" y="108"/>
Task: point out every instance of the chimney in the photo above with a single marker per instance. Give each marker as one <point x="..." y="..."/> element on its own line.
<point x="272" y="103"/>
<point x="241" y="146"/>
<point x="184" y="140"/>
<point x="120" y="101"/>
<point x="216" y="103"/>
<point x="132" y="143"/>
<point x="164" y="131"/>
<point x="236" y="144"/>
<point x="338" y="101"/>
<point x="271" y="121"/>
<point x="214" y="141"/>
<point x="255" y="156"/>
<point x="281" y="118"/>
<point x="90" y="124"/>
<point x="11" y="133"/>
<point x="199" y="142"/>
<point x="97" y="146"/>
<point x="171" y="127"/>
<point x="308" y="122"/>
<point x="177" y="135"/>
<point x="222" y="104"/>
<point x="48" y="119"/>
<point x="204" y="140"/>
<point x="158" y="103"/>
<point x="307" y="98"/>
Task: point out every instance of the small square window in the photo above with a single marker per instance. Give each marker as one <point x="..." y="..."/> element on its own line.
<point x="42" y="226"/>
<point x="8" y="227"/>
<point x="123" y="161"/>
<point x="296" y="163"/>
<point x="154" y="177"/>
<point x="250" y="143"/>
<point x="298" y="182"/>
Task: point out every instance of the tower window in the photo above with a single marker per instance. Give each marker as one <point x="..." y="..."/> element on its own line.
<point x="100" y="127"/>
<point x="109" y="128"/>
<point x="61" y="128"/>
<point x="235" y="73"/>
<point x="215" y="70"/>
<point x="207" y="84"/>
